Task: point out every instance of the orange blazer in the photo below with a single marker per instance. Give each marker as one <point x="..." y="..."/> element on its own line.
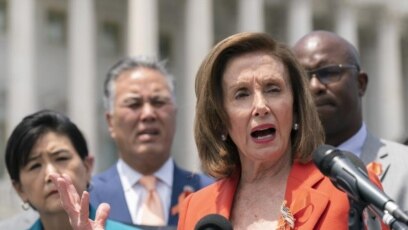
<point x="311" y="197"/>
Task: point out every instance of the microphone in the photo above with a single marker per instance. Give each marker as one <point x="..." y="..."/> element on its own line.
<point x="213" y="222"/>
<point x="353" y="180"/>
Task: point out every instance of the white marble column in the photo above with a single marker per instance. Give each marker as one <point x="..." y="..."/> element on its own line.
<point x="21" y="95"/>
<point x="251" y="15"/>
<point x="82" y="101"/>
<point x="142" y="36"/>
<point x="300" y="19"/>
<point x="391" y="100"/>
<point x="346" y="22"/>
<point x="199" y="40"/>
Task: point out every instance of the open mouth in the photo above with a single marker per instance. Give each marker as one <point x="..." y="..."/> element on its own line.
<point x="263" y="133"/>
<point x="152" y="132"/>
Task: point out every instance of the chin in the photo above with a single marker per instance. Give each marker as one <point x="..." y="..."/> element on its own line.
<point x="149" y="150"/>
<point x="271" y="153"/>
<point x="54" y="207"/>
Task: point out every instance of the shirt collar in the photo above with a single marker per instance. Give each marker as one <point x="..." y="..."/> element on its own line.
<point x="355" y="143"/>
<point x="130" y="177"/>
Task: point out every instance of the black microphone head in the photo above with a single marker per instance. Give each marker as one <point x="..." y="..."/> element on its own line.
<point x="213" y="222"/>
<point x="322" y="157"/>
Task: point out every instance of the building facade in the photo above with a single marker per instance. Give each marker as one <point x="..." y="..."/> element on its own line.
<point x="55" y="54"/>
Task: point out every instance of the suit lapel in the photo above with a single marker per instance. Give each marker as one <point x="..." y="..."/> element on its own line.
<point x="219" y="197"/>
<point x="111" y="191"/>
<point x="183" y="183"/>
<point x="370" y="149"/>
<point x="374" y="151"/>
<point x="306" y="203"/>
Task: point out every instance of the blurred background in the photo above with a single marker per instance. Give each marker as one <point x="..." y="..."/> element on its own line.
<point x="55" y="54"/>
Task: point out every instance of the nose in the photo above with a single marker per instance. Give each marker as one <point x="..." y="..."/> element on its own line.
<point x="148" y="113"/>
<point x="316" y="87"/>
<point x="260" y="105"/>
<point x="50" y="169"/>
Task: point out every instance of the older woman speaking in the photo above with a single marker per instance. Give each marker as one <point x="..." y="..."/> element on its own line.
<point x="256" y="127"/>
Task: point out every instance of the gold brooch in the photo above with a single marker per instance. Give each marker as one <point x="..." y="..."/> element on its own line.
<point x="287" y="221"/>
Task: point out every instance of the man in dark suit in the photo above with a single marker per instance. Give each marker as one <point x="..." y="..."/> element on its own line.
<point x="338" y="84"/>
<point x="141" y="116"/>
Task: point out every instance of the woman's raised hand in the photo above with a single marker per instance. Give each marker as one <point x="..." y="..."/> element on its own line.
<point x="77" y="207"/>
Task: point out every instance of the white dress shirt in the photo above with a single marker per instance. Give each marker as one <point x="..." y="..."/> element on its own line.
<point x="355" y="143"/>
<point x="135" y="192"/>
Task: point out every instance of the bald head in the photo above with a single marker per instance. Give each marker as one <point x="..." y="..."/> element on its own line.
<point x="336" y="82"/>
<point x="329" y="41"/>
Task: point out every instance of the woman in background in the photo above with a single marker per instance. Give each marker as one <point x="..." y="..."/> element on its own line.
<point x="42" y="144"/>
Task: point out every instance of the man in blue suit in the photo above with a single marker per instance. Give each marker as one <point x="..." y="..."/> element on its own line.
<point x="338" y="84"/>
<point x="141" y="116"/>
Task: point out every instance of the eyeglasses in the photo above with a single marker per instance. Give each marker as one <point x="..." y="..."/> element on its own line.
<point x="329" y="74"/>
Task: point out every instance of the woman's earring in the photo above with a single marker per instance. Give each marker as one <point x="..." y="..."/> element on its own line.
<point x="25" y="206"/>
<point x="295" y="126"/>
<point x="223" y="137"/>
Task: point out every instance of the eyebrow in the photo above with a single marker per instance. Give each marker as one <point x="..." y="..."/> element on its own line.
<point x="33" y="158"/>
<point x="265" y="79"/>
<point x="54" y="153"/>
<point x="236" y="86"/>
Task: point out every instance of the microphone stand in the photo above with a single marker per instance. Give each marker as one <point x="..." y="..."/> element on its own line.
<point x="389" y="219"/>
<point x="355" y="214"/>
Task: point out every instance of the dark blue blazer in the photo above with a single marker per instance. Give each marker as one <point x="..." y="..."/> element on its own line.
<point x="107" y="188"/>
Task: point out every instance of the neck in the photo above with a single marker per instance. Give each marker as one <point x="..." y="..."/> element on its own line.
<point x="337" y="138"/>
<point x="259" y="172"/>
<point x="58" y="220"/>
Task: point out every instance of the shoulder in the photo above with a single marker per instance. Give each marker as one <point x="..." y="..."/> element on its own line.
<point x="106" y="176"/>
<point x="210" y="191"/>
<point x="308" y="187"/>
<point x="308" y="176"/>
<point x="200" y="180"/>
<point x="37" y="225"/>
<point x="215" y="198"/>
<point x="381" y="147"/>
<point x="104" y="184"/>
<point x="395" y="148"/>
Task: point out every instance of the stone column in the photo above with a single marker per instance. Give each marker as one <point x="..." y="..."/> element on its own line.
<point x="21" y="98"/>
<point x="82" y="99"/>
<point x="390" y="94"/>
<point x="199" y="39"/>
<point x="251" y="15"/>
<point x="21" y="95"/>
<point x="300" y="19"/>
<point x="346" y="22"/>
<point x="142" y="36"/>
